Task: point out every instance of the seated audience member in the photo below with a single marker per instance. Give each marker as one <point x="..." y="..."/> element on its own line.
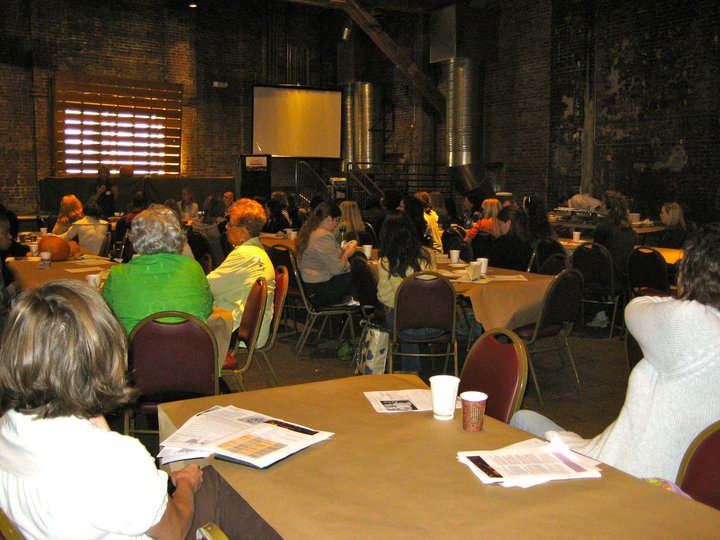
<point x="105" y="193"/>
<point x="138" y="203"/>
<point x="616" y="234"/>
<point x="472" y="207"/>
<point x="297" y="218"/>
<point x="670" y="394"/>
<point x="276" y="219"/>
<point x="188" y="207"/>
<point x="675" y="233"/>
<point x="431" y="218"/>
<point x="282" y="198"/>
<point x="159" y="278"/>
<point x="323" y="263"/>
<point x="15" y="249"/>
<point x="213" y="214"/>
<point x="354" y="226"/>
<point x="63" y="473"/>
<point x="489" y="224"/>
<point x="373" y="213"/>
<point x="585" y="201"/>
<point x="228" y="198"/>
<point x="90" y="230"/>
<point x="511" y="249"/>
<point x="71" y="209"/>
<point x="402" y="254"/>
<point x="231" y="282"/>
<point x="414" y="209"/>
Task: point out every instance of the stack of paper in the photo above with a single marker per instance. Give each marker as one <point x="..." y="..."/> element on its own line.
<point x="529" y="463"/>
<point x="238" y="435"/>
<point x="395" y="401"/>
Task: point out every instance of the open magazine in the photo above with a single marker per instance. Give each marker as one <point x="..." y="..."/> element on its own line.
<point x="238" y="435"/>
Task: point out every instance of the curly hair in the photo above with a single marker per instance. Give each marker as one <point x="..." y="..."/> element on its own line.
<point x="321" y="211"/>
<point x="401" y="246"/>
<point x="157" y="230"/>
<point x="699" y="276"/>
<point x="618" y="208"/>
<point x="63" y="353"/>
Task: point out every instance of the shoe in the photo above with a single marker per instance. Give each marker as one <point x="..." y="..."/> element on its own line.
<point x="600" y="321"/>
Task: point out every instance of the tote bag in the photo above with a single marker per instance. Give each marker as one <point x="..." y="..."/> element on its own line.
<point x="372" y="351"/>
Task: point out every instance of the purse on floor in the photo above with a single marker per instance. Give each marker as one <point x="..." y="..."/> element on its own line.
<point x="372" y="351"/>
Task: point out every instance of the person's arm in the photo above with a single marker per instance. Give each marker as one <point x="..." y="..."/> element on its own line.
<point x="332" y="256"/>
<point x="175" y="522"/>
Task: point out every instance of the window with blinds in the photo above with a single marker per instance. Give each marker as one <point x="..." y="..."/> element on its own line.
<point x="136" y="124"/>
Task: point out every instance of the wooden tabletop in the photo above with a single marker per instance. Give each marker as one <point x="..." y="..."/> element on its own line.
<point x="396" y="476"/>
<point x="28" y="273"/>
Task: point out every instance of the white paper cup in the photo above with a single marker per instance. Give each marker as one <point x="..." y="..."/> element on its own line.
<point x="483" y="265"/>
<point x="475" y="270"/>
<point x="93" y="280"/>
<point x="34" y="249"/>
<point x="43" y="231"/>
<point x="292" y="235"/>
<point x="367" y="250"/>
<point x="454" y="256"/>
<point x="634" y="217"/>
<point x="45" y="258"/>
<point x="444" y="395"/>
<point x="576" y="236"/>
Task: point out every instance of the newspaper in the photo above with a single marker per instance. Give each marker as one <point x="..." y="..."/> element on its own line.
<point x="238" y="435"/>
<point x="529" y="463"/>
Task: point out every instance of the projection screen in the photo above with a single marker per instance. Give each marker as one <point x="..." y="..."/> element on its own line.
<point x="296" y="122"/>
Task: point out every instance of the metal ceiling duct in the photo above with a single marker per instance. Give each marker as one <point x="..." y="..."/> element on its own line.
<point x="460" y="111"/>
<point x="363" y="120"/>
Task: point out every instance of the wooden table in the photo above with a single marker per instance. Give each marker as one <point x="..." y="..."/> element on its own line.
<point x="671" y="256"/>
<point x="396" y="476"/>
<point x="28" y="273"/>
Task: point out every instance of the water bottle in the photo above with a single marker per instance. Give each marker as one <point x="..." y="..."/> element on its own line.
<point x="341" y="235"/>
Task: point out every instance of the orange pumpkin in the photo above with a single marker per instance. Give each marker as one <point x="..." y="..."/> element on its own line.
<point x="59" y="248"/>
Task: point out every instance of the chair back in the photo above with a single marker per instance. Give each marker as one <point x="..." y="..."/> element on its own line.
<point x="370" y="230"/>
<point x="282" y="281"/>
<point x="365" y="284"/>
<point x="562" y="301"/>
<point x="8" y="531"/>
<point x="699" y="473"/>
<point x="425" y="300"/>
<point x="104" y="250"/>
<point x="169" y="358"/>
<point x="554" y="264"/>
<point x="595" y="264"/>
<point x="482" y="244"/>
<point x="280" y="256"/>
<point x="252" y="317"/>
<point x="647" y="272"/>
<point x="497" y="364"/>
<point x="546" y="246"/>
<point x="298" y="282"/>
<point x="199" y="244"/>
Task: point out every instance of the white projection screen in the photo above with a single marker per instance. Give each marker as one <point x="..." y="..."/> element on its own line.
<point x="296" y="122"/>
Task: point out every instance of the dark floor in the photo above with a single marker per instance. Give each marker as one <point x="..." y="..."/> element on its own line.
<point x="600" y="362"/>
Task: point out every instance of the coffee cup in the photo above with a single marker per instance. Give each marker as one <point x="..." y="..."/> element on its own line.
<point x="93" y="280"/>
<point x="45" y="258"/>
<point x="43" y="231"/>
<point x="483" y="265"/>
<point x="473" y="410"/>
<point x="292" y="235"/>
<point x="475" y="270"/>
<point x="367" y="250"/>
<point x="454" y="256"/>
<point x="576" y="236"/>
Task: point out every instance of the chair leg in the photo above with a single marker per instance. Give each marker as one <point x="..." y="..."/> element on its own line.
<point x="572" y="362"/>
<point x="126" y="422"/>
<point x="271" y="370"/>
<point x="612" y="322"/>
<point x="309" y="324"/>
<point x="534" y="378"/>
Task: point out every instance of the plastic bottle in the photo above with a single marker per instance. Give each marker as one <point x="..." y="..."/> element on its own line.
<point x="341" y="235"/>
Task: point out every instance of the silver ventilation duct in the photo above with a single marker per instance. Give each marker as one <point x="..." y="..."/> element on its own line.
<point x="363" y="122"/>
<point x="460" y="111"/>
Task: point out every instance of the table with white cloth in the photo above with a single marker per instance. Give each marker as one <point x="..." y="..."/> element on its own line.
<point x="397" y="476"/>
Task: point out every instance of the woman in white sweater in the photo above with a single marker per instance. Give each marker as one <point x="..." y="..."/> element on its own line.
<point x="672" y="391"/>
<point x="90" y="230"/>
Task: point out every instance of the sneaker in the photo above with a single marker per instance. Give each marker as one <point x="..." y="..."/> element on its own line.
<point x="600" y="321"/>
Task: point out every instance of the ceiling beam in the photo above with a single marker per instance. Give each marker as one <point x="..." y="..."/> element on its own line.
<point x="407" y="6"/>
<point x="404" y="64"/>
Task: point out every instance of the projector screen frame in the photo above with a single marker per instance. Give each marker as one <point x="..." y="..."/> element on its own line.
<point x="315" y="129"/>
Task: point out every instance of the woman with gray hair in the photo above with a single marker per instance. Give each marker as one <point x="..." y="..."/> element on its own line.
<point x="160" y="278"/>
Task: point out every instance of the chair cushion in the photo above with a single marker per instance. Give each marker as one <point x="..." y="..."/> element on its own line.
<point x="526" y="332"/>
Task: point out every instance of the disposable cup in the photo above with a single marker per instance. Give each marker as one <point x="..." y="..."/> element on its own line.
<point x="576" y="236"/>
<point x="444" y="395"/>
<point x="475" y="270"/>
<point x="93" y="280"/>
<point x="292" y="235"/>
<point x="43" y="231"/>
<point x="454" y="256"/>
<point x="34" y="249"/>
<point x="483" y="265"/>
<point x="473" y="410"/>
<point x="367" y="250"/>
<point x="45" y="258"/>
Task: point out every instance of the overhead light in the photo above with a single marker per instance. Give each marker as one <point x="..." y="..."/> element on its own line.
<point x="346" y="32"/>
<point x="192" y="5"/>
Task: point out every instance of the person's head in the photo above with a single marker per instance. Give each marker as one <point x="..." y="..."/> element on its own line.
<point x="491" y="208"/>
<point x="173" y="205"/>
<point x="325" y="215"/>
<point x="157" y="230"/>
<point x="538" y="225"/>
<point x="228" y="198"/>
<point x="6" y="237"/>
<point x="280" y="197"/>
<point x="70" y="208"/>
<point x="699" y="276"/>
<point x="139" y="200"/>
<point x="351" y="216"/>
<point x="213" y="208"/>
<point x="186" y="196"/>
<point x="671" y="214"/>
<point x="274" y="208"/>
<point x="437" y="202"/>
<point x="391" y="200"/>
<point x="246" y="218"/>
<point x="472" y="202"/>
<point x="415" y="210"/>
<point x="63" y="353"/>
<point x="103" y="172"/>
<point x="513" y="221"/>
<point x="424" y="198"/>
<point x="93" y="210"/>
<point x="400" y="244"/>
<point x="617" y="208"/>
